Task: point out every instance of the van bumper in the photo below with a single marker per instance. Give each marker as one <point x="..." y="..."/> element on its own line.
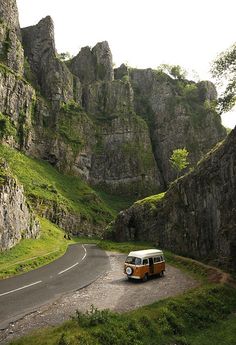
<point x="133" y="277"/>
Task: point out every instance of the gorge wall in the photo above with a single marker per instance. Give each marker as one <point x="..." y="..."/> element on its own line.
<point x="197" y="215"/>
<point x="84" y="117"/>
<point x="114" y="128"/>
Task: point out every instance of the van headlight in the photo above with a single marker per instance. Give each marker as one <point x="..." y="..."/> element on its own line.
<point x="129" y="271"/>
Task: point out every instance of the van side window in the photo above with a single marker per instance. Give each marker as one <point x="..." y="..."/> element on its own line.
<point x="157" y="259"/>
<point x="145" y="261"/>
<point x="162" y="258"/>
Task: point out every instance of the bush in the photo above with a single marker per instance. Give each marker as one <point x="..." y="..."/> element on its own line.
<point x="93" y="317"/>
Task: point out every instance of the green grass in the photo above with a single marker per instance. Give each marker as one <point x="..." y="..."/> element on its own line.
<point x="43" y="182"/>
<point x="153" y="199"/>
<point x="30" y="253"/>
<point x="115" y="202"/>
<point x="180" y="320"/>
<point x="223" y="333"/>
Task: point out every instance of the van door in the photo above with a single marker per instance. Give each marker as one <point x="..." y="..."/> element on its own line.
<point x="151" y="266"/>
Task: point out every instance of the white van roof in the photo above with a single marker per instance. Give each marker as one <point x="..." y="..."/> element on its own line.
<point x="146" y="253"/>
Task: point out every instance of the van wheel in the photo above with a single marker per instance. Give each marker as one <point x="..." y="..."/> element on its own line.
<point x="162" y="274"/>
<point x="145" y="278"/>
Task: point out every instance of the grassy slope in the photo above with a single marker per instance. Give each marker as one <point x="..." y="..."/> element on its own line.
<point x="30" y="253"/>
<point x="42" y="181"/>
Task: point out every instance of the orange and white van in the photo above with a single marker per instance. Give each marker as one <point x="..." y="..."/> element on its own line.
<point x="142" y="264"/>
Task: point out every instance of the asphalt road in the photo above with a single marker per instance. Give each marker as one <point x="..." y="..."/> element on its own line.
<point x="80" y="266"/>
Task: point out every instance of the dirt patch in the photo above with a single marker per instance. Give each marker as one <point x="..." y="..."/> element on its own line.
<point x="112" y="290"/>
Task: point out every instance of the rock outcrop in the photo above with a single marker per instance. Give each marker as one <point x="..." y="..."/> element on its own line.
<point x="56" y="82"/>
<point x="179" y="113"/>
<point x="197" y="215"/>
<point x="92" y="65"/>
<point x="11" y="51"/>
<point x="17" y="102"/>
<point x="16" y="218"/>
<point x="122" y="137"/>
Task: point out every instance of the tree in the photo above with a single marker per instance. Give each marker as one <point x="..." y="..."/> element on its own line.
<point x="64" y="56"/>
<point x="175" y="71"/>
<point x="224" y="71"/>
<point x="179" y="160"/>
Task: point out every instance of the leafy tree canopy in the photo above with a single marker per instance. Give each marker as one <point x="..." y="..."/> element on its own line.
<point x="179" y="159"/>
<point x="64" y="56"/>
<point x="224" y="71"/>
<point x="175" y="71"/>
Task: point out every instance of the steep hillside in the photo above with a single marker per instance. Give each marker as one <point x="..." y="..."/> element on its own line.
<point x="197" y="216"/>
<point x="65" y="200"/>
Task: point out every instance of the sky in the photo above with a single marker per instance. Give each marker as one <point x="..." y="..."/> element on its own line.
<point x="143" y="33"/>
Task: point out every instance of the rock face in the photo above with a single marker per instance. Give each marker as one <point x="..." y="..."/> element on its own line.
<point x="11" y="52"/>
<point x="93" y="64"/>
<point x="197" y="216"/>
<point x="16" y="218"/>
<point x="17" y="102"/>
<point x="179" y="113"/>
<point x="122" y="137"/>
<point x="115" y="129"/>
<point x="53" y="77"/>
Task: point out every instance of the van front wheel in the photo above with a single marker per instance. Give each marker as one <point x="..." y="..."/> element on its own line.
<point x="162" y="274"/>
<point x="145" y="278"/>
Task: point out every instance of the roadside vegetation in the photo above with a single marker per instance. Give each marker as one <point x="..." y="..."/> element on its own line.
<point x="30" y="253"/>
<point x="199" y="316"/>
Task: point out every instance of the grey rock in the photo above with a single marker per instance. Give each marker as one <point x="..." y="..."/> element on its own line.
<point x="17" y="100"/>
<point x="197" y="216"/>
<point x="121" y="72"/>
<point x="17" y="220"/>
<point x="92" y="65"/>
<point x="11" y="51"/>
<point x="53" y="77"/>
<point x="178" y="116"/>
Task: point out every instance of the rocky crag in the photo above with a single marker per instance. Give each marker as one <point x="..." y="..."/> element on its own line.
<point x="84" y="117"/>
<point x="17" y="220"/>
<point x="197" y="215"/>
<point x="115" y="128"/>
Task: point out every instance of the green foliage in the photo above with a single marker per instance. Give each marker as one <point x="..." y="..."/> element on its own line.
<point x="64" y="56"/>
<point x="29" y="75"/>
<point x="179" y="159"/>
<point x="6" y="44"/>
<point x="177" y="320"/>
<point x="71" y="106"/>
<point x="153" y="199"/>
<point x="224" y="70"/>
<point x="7" y="129"/>
<point x="175" y="71"/>
<point x="30" y="253"/>
<point x="43" y="182"/>
<point x="93" y="317"/>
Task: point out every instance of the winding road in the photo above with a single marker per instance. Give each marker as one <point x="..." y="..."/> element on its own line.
<point x="79" y="267"/>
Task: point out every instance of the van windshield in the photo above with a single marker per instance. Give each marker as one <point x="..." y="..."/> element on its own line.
<point x="133" y="260"/>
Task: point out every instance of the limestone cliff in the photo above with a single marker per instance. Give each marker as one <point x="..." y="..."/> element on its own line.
<point x="17" y="102"/>
<point x="11" y="52"/>
<point x="114" y="128"/>
<point x="16" y="218"/>
<point x="197" y="215"/>
<point x="52" y="76"/>
<point x="180" y="113"/>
